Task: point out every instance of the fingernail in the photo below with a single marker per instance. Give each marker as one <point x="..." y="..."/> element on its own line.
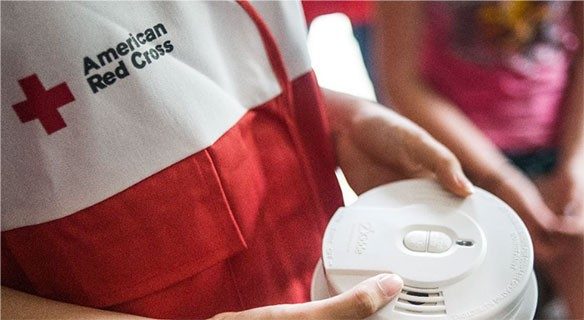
<point x="390" y="284"/>
<point x="463" y="181"/>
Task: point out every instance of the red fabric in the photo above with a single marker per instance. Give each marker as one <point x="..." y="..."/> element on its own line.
<point x="131" y="238"/>
<point x="359" y="12"/>
<point x="235" y="226"/>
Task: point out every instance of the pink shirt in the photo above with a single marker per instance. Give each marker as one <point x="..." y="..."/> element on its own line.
<point x="514" y="97"/>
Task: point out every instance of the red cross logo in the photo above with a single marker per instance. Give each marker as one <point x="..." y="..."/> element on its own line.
<point x="43" y="104"/>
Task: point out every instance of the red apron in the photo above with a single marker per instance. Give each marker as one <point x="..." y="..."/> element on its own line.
<point x="234" y="226"/>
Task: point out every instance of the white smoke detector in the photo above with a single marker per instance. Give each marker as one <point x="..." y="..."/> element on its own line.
<point x="468" y="258"/>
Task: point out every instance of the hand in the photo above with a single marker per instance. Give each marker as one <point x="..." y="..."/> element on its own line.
<point x="563" y="192"/>
<point x="359" y="303"/>
<point x="521" y="194"/>
<point x="382" y="146"/>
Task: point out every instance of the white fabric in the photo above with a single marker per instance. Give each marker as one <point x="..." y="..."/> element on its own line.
<point x="176" y="106"/>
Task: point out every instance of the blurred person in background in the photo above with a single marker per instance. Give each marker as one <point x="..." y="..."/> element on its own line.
<point x="500" y="84"/>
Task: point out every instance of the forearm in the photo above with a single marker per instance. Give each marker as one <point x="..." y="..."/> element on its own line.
<point x="571" y="143"/>
<point x="20" y="305"/>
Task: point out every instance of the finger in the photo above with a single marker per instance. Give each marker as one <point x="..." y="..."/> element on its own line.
<point x="572" y="222"/>
<point x="363" y="300"/>
<point x="574" y="208"/>
<point x="541" y="216"/>
<point x="571" y="227"/>
<point x="435" y="157"/>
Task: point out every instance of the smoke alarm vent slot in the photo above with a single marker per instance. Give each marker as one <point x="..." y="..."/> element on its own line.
<point x="421" y="301"/>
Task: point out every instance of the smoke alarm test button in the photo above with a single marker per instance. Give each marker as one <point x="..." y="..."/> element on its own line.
<point x="439" y="242"/>
<point x="416" y="241"/>
<point x="427" y="241"/>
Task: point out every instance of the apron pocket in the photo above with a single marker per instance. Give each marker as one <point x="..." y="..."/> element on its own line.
<point x="162" y="230"/>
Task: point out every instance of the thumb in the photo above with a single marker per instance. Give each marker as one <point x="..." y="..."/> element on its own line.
<point x="363" y="300"/>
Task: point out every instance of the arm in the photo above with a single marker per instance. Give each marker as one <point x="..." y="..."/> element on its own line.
<point x="397" y="46"/>
<point x="20" y="305"/>
<point x="569" y="173"/>
<point x="572" y="132"/>
<point x="401" y="23"/>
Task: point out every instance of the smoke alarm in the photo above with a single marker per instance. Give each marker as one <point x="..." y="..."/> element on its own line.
<point x="468" y="258"/>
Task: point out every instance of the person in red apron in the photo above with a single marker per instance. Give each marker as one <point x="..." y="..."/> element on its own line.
<point x="176" y="160"/>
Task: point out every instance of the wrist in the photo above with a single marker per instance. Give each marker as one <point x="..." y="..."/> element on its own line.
<point x="342" y="110"/>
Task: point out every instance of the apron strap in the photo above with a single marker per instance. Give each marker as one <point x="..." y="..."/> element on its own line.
<point x="277" y="64"/>
<point x="272" y="50"/>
